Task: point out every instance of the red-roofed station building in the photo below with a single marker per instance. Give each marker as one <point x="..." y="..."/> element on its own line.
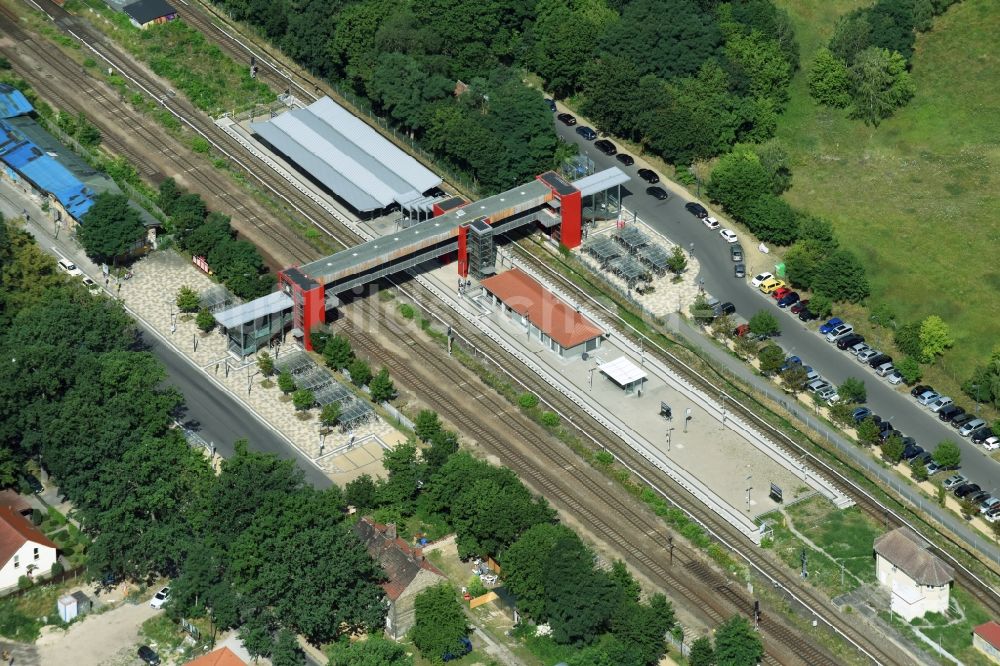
<point x="986" y="639"/>
<point x="24" y="551"/>
<point x="546" y="318"/>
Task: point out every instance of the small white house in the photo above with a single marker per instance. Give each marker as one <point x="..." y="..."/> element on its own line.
<point x="917" y="581"/>
<point x="24" y="550"/>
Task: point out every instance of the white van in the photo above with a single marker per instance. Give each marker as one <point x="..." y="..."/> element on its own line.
<point x="69" y="267"/>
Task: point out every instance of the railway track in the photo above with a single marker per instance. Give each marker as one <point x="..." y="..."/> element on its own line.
<point x="579" y="489"/>
<point x="28" y="52"/>
<point x="318" y="216"/>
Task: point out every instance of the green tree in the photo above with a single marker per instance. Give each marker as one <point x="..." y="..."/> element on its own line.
<point x="443" y="444"/>
<point x="330" y="414"/>
<point x="880" y="84"/>
<point x="764" y="323"/>
<point x="761" y="60"/>
<point x="883" y="315"/>
<point x="188" y="299"/>
<point x="842" y="412"/>
<point x="168" y="194"/>
<point x="361" y="492"/>
<point x="868" y="432"/>
<point x="821" y="306"/>
<point x="947" y="454"/>
<point x="935" y="337"/>
<point x="701" y="653"/>
<point x="892" y="449"/>
<point x="853" y="390"/>
<point x="382" y="387"/>
<point x="802" y="261"/>
<point x="405" y="474"/>
<point x="795" y="377"/>
<point x="337" y="352"/>
<point x="623" y="578"/>
<point x="851" y="36"/>
<point x="737" y="644"/>
<point x="265" y="364"/>
<point x="286" y="383"/>
<point x="9" y="468"/>
<point x="818" y="230"/>
<point x="375" y="650"/>
<point x="772" y="219"/>
<point x="643" y="627"/>
<point x="907" y="340"/>
<point x="427" y="425"/>
<point x="842" y="278"/>
<point x="968" y="507"/>
<point x="771" y="358"/>
<point x="440" y="623"/>
<point x="579" y="599"/>
<point x="205" y="320"/>
<point x="361" y="372"/>
<point x="286" y="651"/>
<point x="303" y="399"/>
<point x="910" y="369"/>
<point x="737" y="181"/>
<point x="700" y="310"/>
<point x="774" y="158"/>
<point x="110" y="227"/>
<point x="918" y="470"/>
<point x="524" y="566"/>
<point x="677" y="261"/>
<point x="829" y="80"/>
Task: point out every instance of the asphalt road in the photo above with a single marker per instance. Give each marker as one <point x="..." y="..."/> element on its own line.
<point x="894" y="404"/>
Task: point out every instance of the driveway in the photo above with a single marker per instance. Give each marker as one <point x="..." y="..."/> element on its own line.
<point x="108" y="639"/>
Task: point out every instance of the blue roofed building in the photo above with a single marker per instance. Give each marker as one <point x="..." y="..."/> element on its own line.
<point x="13" y="102"/>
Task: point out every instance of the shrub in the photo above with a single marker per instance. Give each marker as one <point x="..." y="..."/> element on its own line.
<point x="407" y="311"/>
<point x="57" y="568"/>
<point x="265" y="364"/>
<point x="330" y="414"/>
<point x="550" y="419"/>
<point x="36" y="517"/>
<point x="527" y="400"/>
<point x="286" y="383"/>
<point x="205" y="320"/>
<point x="853" y="390"/>
<point x="188" y="299"/>
<point x="910" y="370"/>
<point x="361" y="372"/>
<point x="764" y="323"/>
<point x="303" y="399"/>
<point x="821" y="306"/>
<point x="23" y="583"/>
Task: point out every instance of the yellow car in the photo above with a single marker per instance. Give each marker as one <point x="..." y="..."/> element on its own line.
<point x="767" y="286"/>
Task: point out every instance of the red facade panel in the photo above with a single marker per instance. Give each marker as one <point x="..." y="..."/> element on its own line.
<point x="463" y="251"/>
<point x="572" y="218"/>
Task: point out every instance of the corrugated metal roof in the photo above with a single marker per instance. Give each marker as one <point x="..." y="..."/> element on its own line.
<point x="622" y="371"/>
<point x="347" y="156"/>
<point x="600" y="181"/>
<point x="272" y="303"/>
<point x="13" y="102"/>
<point x="46" y="173"/>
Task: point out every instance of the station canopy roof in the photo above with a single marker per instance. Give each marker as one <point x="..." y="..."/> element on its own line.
<point x="272" y="303"/>
<point x="600" y="181"/>
<point x="348" y="156"/>
<point x="622" y="371"/>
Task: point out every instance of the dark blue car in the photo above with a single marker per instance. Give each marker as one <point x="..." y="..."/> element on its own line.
<point x="466" y="649"/>
<point x="860" y="414"/>
<point x="790" y="362"/>
<point x="790" y="298"/>
<point x="830" y="325"/>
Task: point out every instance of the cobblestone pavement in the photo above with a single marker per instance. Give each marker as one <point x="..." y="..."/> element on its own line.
<point x="151" y="293"/>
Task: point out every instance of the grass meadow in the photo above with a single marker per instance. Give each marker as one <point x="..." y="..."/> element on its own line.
<point x="917" y="197"/>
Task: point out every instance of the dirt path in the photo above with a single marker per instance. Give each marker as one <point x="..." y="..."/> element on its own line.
<point x="100" y="640"/>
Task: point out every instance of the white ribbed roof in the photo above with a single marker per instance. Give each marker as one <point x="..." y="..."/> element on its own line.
<point x="600" y="181"/>
<point x="347" y="156"/>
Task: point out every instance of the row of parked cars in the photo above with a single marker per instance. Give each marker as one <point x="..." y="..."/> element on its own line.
<point x="609" y="149"/>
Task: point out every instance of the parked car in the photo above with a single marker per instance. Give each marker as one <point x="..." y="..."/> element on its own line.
<point x="788" y="299"/>
<point x="850" y="341"/>
<point x="967" y="429"/>
<point x="918" y="389"/>
<point x="740" y="271"/>
<point x="769" y="285"/>
<point x="800" y="305"/>
<point x="780" y="293"/>
<point x="884" y="426"/>
<point x="857" y="348"/>
<point x="830" y="325"/>
<point x="625" y="159"/>
<point x="966" y="489"/>
<point x="741" y="330"/>
<point x="551" y="103"/>
<point x="876" y="361"/>
<point x="817" y="385"/>
<point x="938" y="404"/>
<point x="67" y="266"/>
<point x="950" y="412"/>
<point x="605" y="147"/>
<point x="566" y="119"/>
<point x="981" y="434"/>
<point x="992" y="443"/>
<point x="790" y="362"/>
<point x="736" y="252"/>
<point x="988" y="503"/>
<point x="726" y="308"/>
<point x="884" y="369"/>
<point x="978" y="498"/>
<point x="829" y="394"/>
<point x="728" y="235"/>
<point x="954" y="481"/>
<point x="810" y="373"/>
<point x="860" y="414"/>
<point x="912" y="450"/>
<point x="924" y="458"/>
<point x="160" y="598"/>
<point x="839" y="332"/>
<point x="806" y="315"/>
<point x="33" y="483"/>
<point x="149" y="656"/>
<point x="711" y="222"/>
<point x="90" y="284"/>
<point x="933" y="468"/>
<point x="650" y="177"/>
<point x="960" y="420"/>
<point x="894" y="377"/>
<point x="657" y="193"/>
<point x="587" y="133"/>
<point x="927" y="397"/>
<point x="760" y="279"/>
<point x="868" y="354"/>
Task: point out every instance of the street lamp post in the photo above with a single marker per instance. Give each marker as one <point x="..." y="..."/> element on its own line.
<point x="749" y="487"/>
<point x="723" y="411"/>
<point x="669" y="431"/>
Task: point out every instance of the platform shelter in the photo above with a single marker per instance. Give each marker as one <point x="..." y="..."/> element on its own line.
<point x="624" y="373"/>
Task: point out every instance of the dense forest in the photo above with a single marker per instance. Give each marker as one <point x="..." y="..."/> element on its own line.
<point x="685" y="78"/>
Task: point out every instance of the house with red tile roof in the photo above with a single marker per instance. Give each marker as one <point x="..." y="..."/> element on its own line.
<point x="986" y="639"/>
<point x="24" y="550"/>
<point x="406" y="570"/>
<point x="221" y="657"/>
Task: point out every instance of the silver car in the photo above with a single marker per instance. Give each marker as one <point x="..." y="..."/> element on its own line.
<point x="867" y="355"/>
<point x="954" y="481"/>
<point x="970" y="427"/>
<point x="927" y="397"/>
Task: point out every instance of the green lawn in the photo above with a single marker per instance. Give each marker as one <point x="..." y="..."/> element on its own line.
<point x="953" y="631"/>
<point x="917" y="197"/>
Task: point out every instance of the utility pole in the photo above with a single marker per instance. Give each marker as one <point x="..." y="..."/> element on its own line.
<point x="723" y="411"/>
<point x="670" y="545"/>
<point x="804" y="558"/>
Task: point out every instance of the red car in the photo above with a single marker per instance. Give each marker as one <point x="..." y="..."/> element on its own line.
<point x="780" y="293"/>
<point x="741" y="330"/>
<point x="800" y="306"/>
